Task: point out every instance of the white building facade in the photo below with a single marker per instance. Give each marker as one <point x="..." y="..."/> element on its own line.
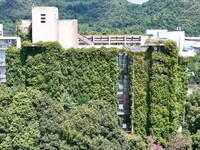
<point x="177" y="36"/>
<point x="46" y="27"/>
<point x="188" y="46"/>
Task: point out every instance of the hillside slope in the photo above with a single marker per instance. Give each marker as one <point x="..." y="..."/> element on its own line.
<point x="112" y="16"/>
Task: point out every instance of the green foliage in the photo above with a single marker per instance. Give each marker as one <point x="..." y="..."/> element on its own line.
<point x="139" y="76"/>
<point x="84" y="74"/>
<point x="29" y="119"/>
<point x="42" y="66"/>
<point x="93" y="126"/>
<point x="196" y="141"/>
<point x="182" y="87"/>
<point x="193" y="111"/>
<point x="194" y="68"/>
<point x="163" y="89"/>
<point x="158" y="101"/>
<point x="14" y="71"/>
<point x="50" y="116"/>
<point x="158" y="84"/>
<point x="137" y="142"/>
<point x="22" y="127"/>
<point x="112" y="16"/>
<point x="179" y="142"/>
<point x="92" y="73"/>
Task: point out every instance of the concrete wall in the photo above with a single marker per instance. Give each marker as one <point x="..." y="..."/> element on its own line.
<point x="44" y="24"/>
<point x="68" y="33"/>
<point x="155" y="33"/>
<point x="177" y="36"/>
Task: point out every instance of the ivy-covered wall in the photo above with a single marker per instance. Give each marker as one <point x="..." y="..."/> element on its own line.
<point x="158" y="91"/>
<point x="182" y="87"/>
<point x="163" y="89"/>
<point x="14" y="70"/>
<point x="91" y="72"/>
<point x="83" y="73"/>
<point x="138" y="69"/>
<point x="158" y="80"/>
<point x="42" y="65"/>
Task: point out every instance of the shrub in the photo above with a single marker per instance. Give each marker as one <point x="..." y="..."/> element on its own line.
<point x="196" y="141"/>
<point x="179" y="142"/>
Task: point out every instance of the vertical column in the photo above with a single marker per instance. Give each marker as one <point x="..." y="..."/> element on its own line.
<point x="123" y="93"/>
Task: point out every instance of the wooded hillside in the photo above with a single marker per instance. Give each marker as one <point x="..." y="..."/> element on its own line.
<point x="111" y="16"/>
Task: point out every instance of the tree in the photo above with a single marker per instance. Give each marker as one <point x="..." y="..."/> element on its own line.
<point x="50" y="115"/>
<point x="93" y="126"/>
<point x="196" y="140"/>
<point x="29" y="119"/>
<point x="194" y="68"/>
<point x="193" y="111"/>
<point x="23" y="131"/>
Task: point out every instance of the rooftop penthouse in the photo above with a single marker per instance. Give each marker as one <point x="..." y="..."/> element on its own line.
<point x="46" y="26"/>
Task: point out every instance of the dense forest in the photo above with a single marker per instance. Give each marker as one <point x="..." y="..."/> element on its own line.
<point x="112" y="16"/>
<point x="67" y="99"/>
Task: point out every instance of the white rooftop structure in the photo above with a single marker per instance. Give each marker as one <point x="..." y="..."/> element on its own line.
<point x="155" y="33"/>
<point x="177" y="36"/>
<point x="188" y="46"/>
<point x="46" y="27"/>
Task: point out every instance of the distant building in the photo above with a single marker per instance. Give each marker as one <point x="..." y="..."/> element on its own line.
<point x="188" y="46"/>
<point x="177" y="36"/>
<point x="5" y="42"/>
<point x="118" y="41"/>
<point x="46" y="26"/>
<point x="191" y="46"/>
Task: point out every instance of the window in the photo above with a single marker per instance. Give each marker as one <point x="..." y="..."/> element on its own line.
<point x="43" y="18"/>
<point x="120" y="86"/>
<point x="124" y="126"/>
<point x="121" y="106"/>
<point x="122" y="60"/>
<point x="123" y="84"/>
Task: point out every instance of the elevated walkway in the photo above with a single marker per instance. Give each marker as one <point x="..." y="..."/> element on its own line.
<point x="130" y="40"/>
<point x="85" y="40"/>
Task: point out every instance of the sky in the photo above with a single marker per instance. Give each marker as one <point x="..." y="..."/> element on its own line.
<point x="138" y="1"/>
